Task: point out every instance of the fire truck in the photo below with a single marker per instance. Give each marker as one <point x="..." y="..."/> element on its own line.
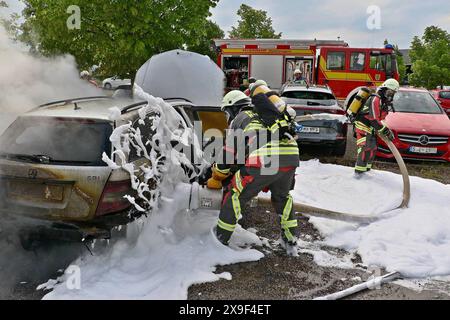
<point x="322" y="62"/>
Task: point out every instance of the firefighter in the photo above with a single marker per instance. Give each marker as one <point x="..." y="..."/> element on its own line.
<point x="250" y="179"/>
<point x="298" y="76"/>
<point x="368" y="122"/>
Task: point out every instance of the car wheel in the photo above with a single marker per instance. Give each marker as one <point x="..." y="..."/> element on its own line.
<point x="340" y="149"/>
<point x="107" y="86"/>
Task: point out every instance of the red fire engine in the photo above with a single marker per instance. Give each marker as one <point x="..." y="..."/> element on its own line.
<point x="322" y="62"/>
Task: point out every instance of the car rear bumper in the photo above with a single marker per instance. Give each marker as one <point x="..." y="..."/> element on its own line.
<point x="331" y="133"/>
<point x="35" y="229"/>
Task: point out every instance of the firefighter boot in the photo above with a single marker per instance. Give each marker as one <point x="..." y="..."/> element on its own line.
<point x="291" y="247"/>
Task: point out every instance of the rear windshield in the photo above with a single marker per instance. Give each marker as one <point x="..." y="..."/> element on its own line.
<point x="309" y="98"/>
<point x="61" y="141"/>
<point x="444" y="94"/>
<point x="416" y="102"/>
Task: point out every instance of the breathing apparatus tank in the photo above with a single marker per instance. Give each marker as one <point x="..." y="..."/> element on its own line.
<point x="274" y="98"/>
<point x="358" y="102"/>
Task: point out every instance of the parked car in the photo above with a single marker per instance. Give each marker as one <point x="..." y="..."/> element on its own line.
<point x="328" y="128"/>
<point x="420" y="125"/>
<point x="115" y="82"/>
<point x="52" y="177"/>
<point x="443" y="97"/>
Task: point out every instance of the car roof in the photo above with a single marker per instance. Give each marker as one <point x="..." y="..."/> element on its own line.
<point x="94" y="108"/>
<point x="307" y="88"/>
<point x="412" y="89"/>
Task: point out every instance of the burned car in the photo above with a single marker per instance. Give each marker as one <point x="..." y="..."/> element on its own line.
<point x="53" y="180"/>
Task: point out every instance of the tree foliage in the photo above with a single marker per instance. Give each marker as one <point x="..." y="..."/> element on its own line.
<point x="430" y="56"/>
<point x="254" y="24"/>
<point x="119" y="36"/>
<point x="204" y="42"/>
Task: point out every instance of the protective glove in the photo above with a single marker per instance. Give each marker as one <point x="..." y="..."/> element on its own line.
<point x="387" y="133"/>
<point x="215" y="182"/>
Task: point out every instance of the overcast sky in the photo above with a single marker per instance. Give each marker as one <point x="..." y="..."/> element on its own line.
<point x="401" y="20"/>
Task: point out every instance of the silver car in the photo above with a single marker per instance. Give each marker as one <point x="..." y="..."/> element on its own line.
<point x="323" y="120"/>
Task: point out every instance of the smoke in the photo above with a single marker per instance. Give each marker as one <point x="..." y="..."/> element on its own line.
<point x="27" y="81"/>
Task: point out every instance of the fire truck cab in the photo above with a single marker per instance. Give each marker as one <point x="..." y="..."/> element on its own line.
<point x="322" y="62"/>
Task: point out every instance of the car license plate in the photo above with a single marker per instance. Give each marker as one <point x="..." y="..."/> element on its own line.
<point x="310" y="130"/>
<point x="32" y="191"/>
<point x="423" y="150"/>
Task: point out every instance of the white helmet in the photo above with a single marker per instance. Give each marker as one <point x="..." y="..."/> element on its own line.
<point x="391" y="84"/>
<point x="297" y="71"/>
<point x="258" y="83"/>
<point x="235" y="98"/>
<point x="261" y="83"/>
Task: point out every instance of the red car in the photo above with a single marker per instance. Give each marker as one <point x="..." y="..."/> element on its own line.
<point x="443" y="97"/>
<point x="420" y="125"/>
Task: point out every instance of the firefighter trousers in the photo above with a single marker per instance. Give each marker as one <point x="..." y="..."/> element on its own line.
<point x="366" y="142"/>
<point x="248" y="183"/>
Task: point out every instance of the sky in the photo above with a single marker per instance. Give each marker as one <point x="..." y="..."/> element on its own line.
<point x="400" y="20"/>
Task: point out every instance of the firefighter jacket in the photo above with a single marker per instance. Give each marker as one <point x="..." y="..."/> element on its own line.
<point x="250" y="144"/>
<point x="371" y="114"/>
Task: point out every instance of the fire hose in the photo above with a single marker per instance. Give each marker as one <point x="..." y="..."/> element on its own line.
<point x="203" y="198"/>
<point x="362" y="219"/>
<point x="370" y="284"/>
<point x="403" y="170"/>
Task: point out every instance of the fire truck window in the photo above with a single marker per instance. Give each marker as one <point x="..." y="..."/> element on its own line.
<point x="236" y="71"/>
<point x="336" y="61"/>
<point x="389" y="64"/>
<point x="357" y="61"/>
<point x="378" y="62"/>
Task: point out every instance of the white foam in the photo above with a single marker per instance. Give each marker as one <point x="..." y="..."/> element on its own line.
<point x="414" y="241"/>
<point x="174" y="250"/>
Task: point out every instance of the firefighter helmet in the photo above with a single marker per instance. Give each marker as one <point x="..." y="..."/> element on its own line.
<point x="261" y="83"/>
<point x="391" y="84"/>
<point x="297" y="71"/>
<point x="233" y="102"/>
<point x="235" y="98"/>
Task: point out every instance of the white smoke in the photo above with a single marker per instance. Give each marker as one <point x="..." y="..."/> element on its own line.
<point x="27" y="81"/>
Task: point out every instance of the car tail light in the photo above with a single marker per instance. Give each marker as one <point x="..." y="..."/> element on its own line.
<point x="112" y="199"/>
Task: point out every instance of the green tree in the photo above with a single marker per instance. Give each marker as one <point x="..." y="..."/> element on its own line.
<point x="400" y="61"/>
<point x="430" y="56"/>
<point x="119" y="36"/>
<point x="204" y="42"/>
<point x="254" y="24"/>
